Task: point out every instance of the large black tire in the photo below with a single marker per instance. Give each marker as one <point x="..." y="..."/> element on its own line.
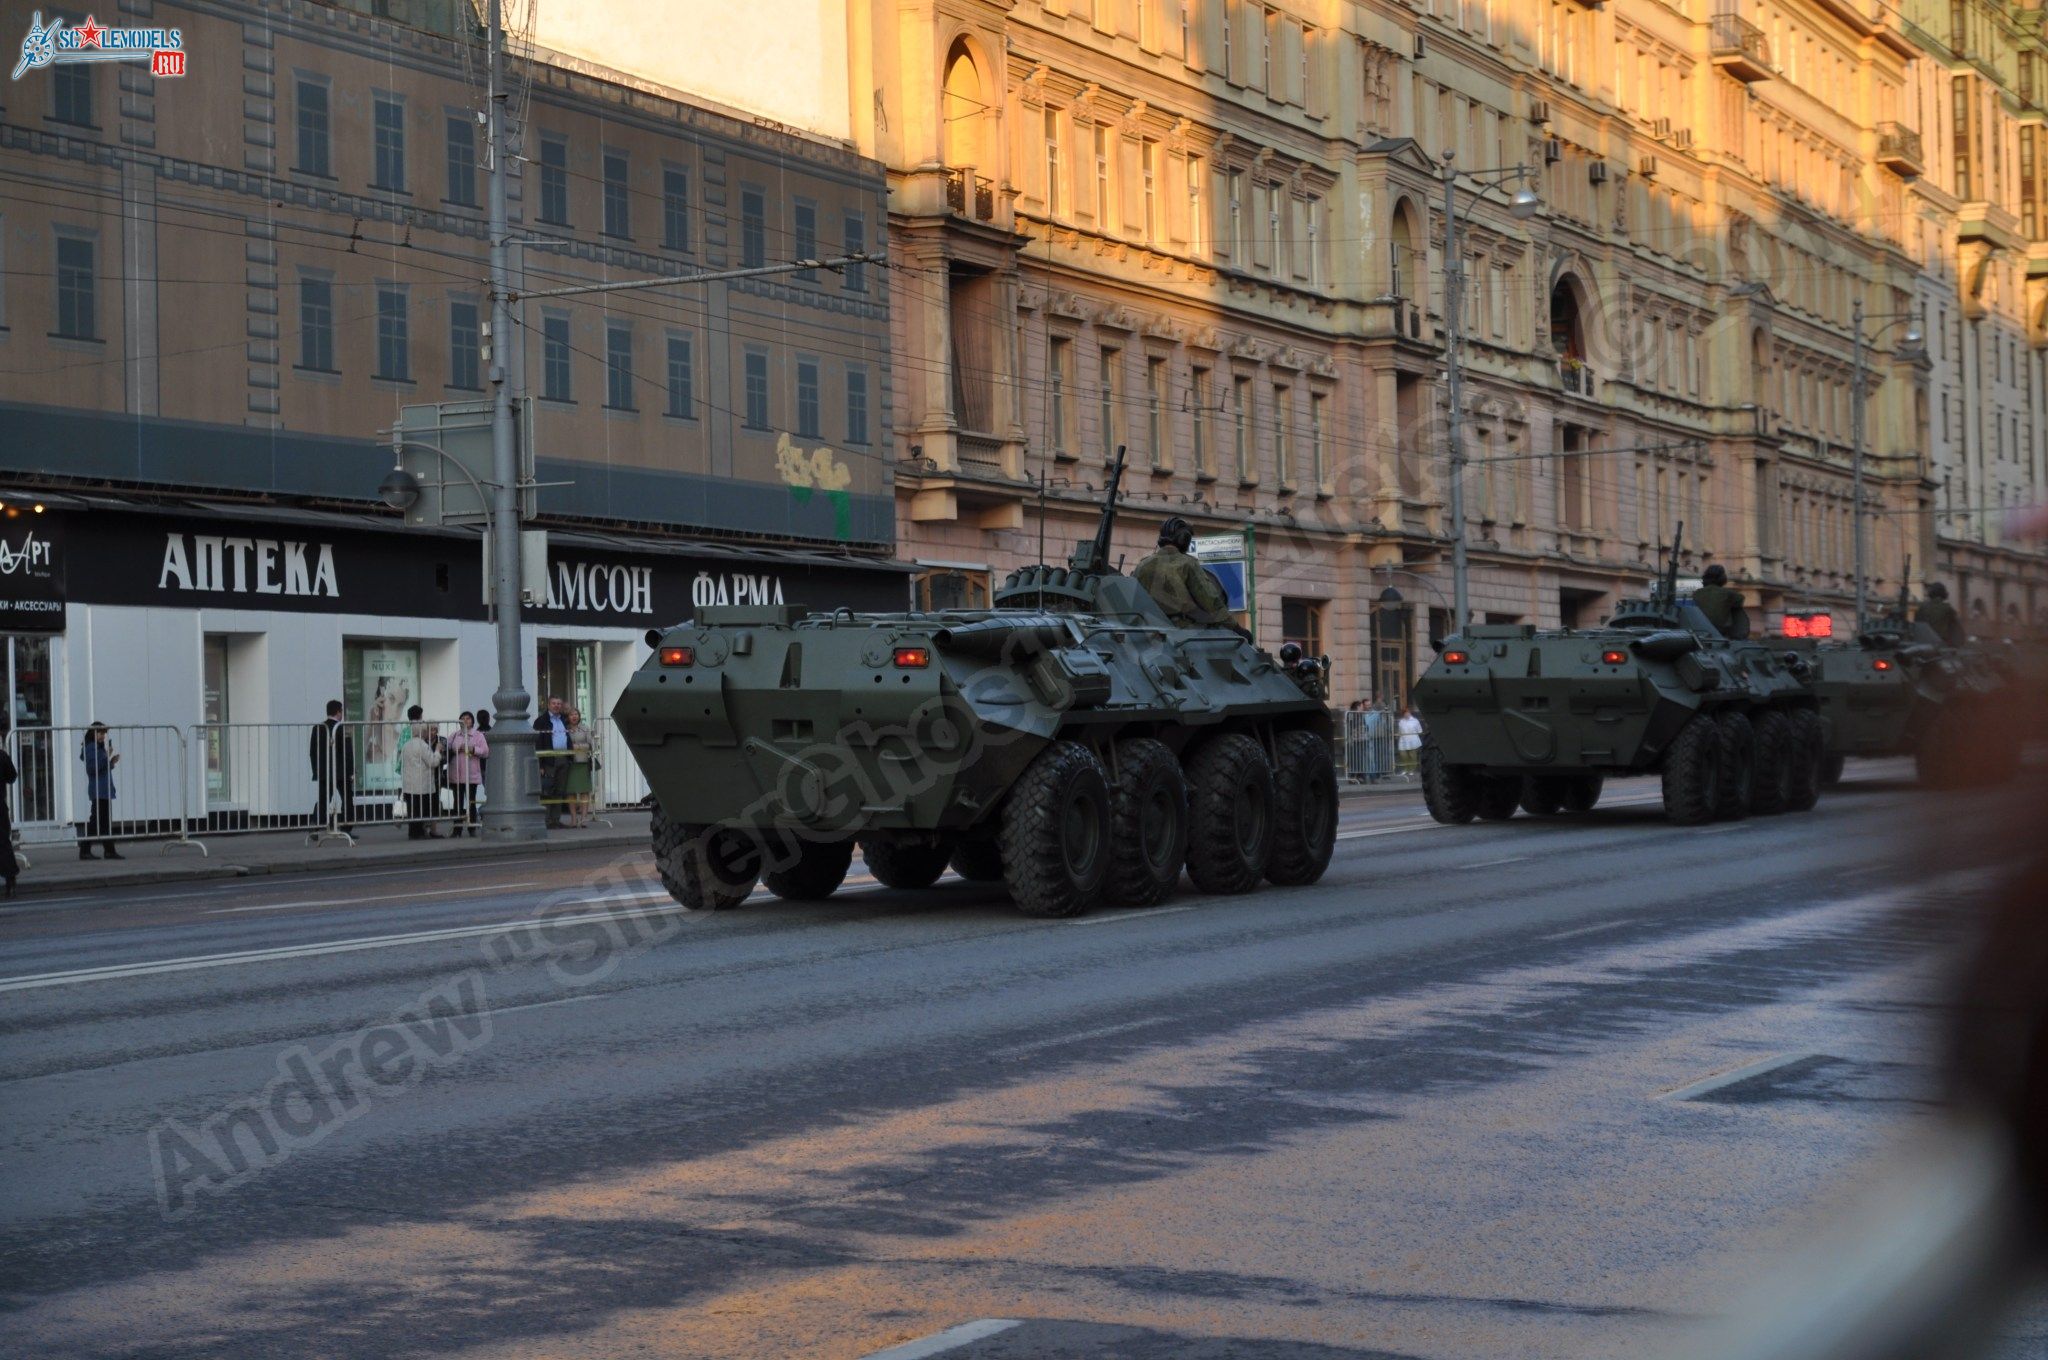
<point x="1582" y="792"/>
<point x="1148" y="824"/>
<point x="705" y="868"/>
<point x="811" y="870"/>
<point x="1692" y="772"/>
<point x="1809" y="757"/>
<point x="1054" y="832"/>
<point x="1450" y="792"/>
<point x="1831" y="771"/>
<point x="905" y="864"/>
<point x="1777" y="757"/>
<point x="1738" y="764"/>
<point x="1230" y="814"/>
<point x="1499" y="796"/>
<point x="1543" y="794"/>
<point x="1304" y="809"/>
<point x="978" y="859"/>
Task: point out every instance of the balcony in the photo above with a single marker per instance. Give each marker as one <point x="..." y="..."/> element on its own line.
<point x="1740" y="48"/>
<point x="970" y="195"/>
<point x="1899" y="150"/>
<point x="1574" y="377"/>
<point x="981" y="454"/>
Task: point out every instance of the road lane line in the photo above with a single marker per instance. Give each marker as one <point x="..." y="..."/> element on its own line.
<point x="382" y="897"/>
<point x="953" y="1338"/>
<point x="1708" y="1085"/>
<point x="1493" y="863"/>
<point x="543" y="1005"/>
<point x="1128" y="915"/>
<point x="1036" y="1045"/>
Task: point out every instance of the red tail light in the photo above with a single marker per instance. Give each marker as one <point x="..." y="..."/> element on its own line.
<point x="1456" y="658"/>
<point x="1612" y="657"/>
<point x="678" y="656"/>
<point x="913" y="658"/>
<point x="1880" y="665"/>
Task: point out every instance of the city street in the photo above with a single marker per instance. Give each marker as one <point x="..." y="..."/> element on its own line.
<point x="1526" y="1089"/>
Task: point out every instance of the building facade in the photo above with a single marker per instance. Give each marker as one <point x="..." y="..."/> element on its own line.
<point x="220" y="291"/>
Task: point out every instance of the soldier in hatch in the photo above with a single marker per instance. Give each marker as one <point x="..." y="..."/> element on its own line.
<point x="1937" y="613"/>
<point x="1722" y="606"/>
<point x="1182" y="586"/>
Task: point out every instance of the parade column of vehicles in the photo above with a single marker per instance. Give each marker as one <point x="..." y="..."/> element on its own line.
<point x="1073" y="742"/>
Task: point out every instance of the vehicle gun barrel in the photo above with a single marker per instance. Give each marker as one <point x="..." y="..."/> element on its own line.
<point x="1004" y="637"/>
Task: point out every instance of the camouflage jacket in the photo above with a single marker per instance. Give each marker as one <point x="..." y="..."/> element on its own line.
<point x="1183" y="588"/>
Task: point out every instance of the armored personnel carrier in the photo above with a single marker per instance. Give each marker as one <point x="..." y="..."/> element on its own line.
<point x="1537" y="719"/>
<point x="1072" y="742"/>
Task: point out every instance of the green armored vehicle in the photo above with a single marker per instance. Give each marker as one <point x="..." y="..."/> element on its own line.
<point x="1537" y="720"/>
<point x="1072" y="742"/>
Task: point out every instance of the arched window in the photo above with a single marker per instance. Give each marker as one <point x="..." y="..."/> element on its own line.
<point x="965" y="110"/>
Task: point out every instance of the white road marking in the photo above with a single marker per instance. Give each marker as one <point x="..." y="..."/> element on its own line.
<point x="1017" y="1050"/>
<point x="542" y="1005"/>
<point x="951" y="1339"/>
<point x="1491" y="863"/>
<point x="1128" y="915"/>
<point x="1707" y="1085"/>
<point x="381" y="897"/>
<point x="1584" y="930"/>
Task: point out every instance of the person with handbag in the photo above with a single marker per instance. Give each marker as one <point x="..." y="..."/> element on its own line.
<point x="100" y="759"/>
<point x="577" y="787"/>
<point x="417" y="761"/>
<point x="468" y="748"/>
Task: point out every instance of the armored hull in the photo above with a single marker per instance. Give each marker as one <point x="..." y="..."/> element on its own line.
<point x="1897" y="691"/>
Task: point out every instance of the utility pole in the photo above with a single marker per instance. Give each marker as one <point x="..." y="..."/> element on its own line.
<point x="512" y="810"/>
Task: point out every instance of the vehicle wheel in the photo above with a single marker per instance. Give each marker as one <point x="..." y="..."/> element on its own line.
<point x="978" y="860"/>
<point x="1831" y="771"/>
<point x="1582" y="792"/>
<point x="1738" y="764"/>
<point x="1808" y="752"/>
<point x="1450" y="792"/>
<point x="812" y="872"/>
<point x="705" y="868"/>
<point x="1692" y="772"/>
<point x="1304" y="809"/>
<point x="1148" y="823"/>
<point x="1055" y="832"/>
<point x="1777" y="755"/>
<point x="1230" y="814"/>
<point x="1543" y="794"/>
<point x="905" y="864"/>
<point x="1499" y="796"/>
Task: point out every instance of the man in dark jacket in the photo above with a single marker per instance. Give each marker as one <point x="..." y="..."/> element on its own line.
<point x="332" y="752"/>
<point x="551" y="731"/>
<point x="1937" y="613"/>
<point x="1722" y="606"/>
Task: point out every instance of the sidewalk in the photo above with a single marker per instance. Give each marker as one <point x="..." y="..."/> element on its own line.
<point x="54" y="867"/>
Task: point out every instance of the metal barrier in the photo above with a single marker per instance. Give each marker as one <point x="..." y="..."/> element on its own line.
<point x="619" y="782"/>
<point x="98" y="785"/>
<point x="372" y="765"/>
<point x="1370" y="739"/>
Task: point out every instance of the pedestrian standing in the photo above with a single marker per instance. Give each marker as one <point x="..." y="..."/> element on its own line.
<point x="417" y="761"/>
<point x="1408" y="740"/>
<point x="467" y="751"/>
<point x="483" y="725"/>
<point x="578" y="785"/>
<point x="551" y="746"/>
<point x="100" y="759"/>
<point x="333" y="755"/>
<point x="10" y="867"/>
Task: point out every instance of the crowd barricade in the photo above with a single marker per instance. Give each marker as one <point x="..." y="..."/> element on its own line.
<point x="142" y="772"/>
<point x="1369" y="746"/>
<point x="618" y="782"/>
<point x="370" y="790"/>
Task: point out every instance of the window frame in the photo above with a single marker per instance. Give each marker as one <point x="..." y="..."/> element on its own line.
<point x="554" y="180"/>
<point x="616" y="201"/>
<point x="72" y="282"/>
<point x="683" y="342"/>
<point x="468" y="199"/>
<point x="676" y="234"/>
<point x="557" y="353"/>
<point x="757" y="386"/>
<point x="618" y="366"/>
<point x="810" y="372"/>
<point x="387" y="142"/>
<point x="858" y="432"/>
<point x="393" y="333"/>
<point x="458" y="351"/>
<point x="753" y="226"/>
<point x="302" y="128"/>
<point x="324" y="330"/>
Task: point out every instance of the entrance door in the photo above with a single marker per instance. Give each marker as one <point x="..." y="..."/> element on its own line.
<point x="214" y="711"/>
<point x="29" y="703"/>
<point x="568" y="670"/>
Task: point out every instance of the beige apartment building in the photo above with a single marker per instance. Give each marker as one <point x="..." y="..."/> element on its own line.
<point x="1213" y="231"/>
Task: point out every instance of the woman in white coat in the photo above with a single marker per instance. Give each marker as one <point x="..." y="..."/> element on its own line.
<point x="417" y="761"/>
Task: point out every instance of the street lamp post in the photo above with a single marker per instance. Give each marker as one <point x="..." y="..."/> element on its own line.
<point x="1524" y="205"/>
<point x="1859" y="343"/>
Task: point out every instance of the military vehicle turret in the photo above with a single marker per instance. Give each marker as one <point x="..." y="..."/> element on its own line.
<point x="1071" y="742"/>
<point x="1518" y="717"/>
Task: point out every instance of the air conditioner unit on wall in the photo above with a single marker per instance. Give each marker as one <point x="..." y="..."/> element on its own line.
<point x="1647" y="167"/>
<point x="1660" y="128"/>
<point x="1539" y="110"/>
<point x="1553" y="150"/>
<point x="1421" y="48"/>
<point x="1682" y="138"/>
<point x="1597" y="172"/>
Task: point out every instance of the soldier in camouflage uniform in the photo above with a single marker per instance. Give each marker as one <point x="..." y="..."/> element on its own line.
<point x="1937" y="613"/>
<point x="1722" y="606"/>
<point x="1181" y="585"/>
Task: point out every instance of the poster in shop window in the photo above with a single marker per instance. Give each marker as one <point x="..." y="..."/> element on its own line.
<point x="390" y="685"/>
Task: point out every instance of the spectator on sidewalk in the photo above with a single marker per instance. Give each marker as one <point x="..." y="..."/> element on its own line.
<point x="100" y="759"/>
<point x="551" y="746"/>
<point x="581" y="763"/>
<point x="333" y="755"/>
<point x="483" y="726"/>
<point x="10" y="867"/>
<point x="467" y="751"/>
<point x="1409" y="741"/>
<point x="417" y="761"/>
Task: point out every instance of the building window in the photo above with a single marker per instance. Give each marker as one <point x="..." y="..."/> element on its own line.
<point x="554" y="359"/>
<point x="1229" y="38"/>
<point x="1283" y="435"/>
<point x="1275" y="242"/>
<point x="757" y="390"/>
<point x="1102" y="178"/>
<point x="618" y="366"/>
<point x="618" y="202"/>
<point x="313" y="144"/>
<point x="804" y="219"/>
<point x="1318" y="438"/>
<point x="753" y="229"/>
<point x="1234" y="246"/>
<point x="1312" y="269"/>
<point x="1241" y="426"/>
<point x="77" y="309"/>
<point x="465" y="346"/>
<point x="1107" y="389"/>
<point x="682" y="378"/>
<point x="1052" y="162"/>
<point x="1961" y="86"/>
<point x="675" y="209"/>
<point x="1302" y="621"/>
<point x="388" y="135"/>
<point x="1269" y="23"/>
<point x="1198" y="211"/>
<point x="1205" y="450"/>
<point x="1155" y="412"/>
<point x="461" y="160"/>
<point x="1148" y="165"/>
<point x="394" y="335"/>
<point x="316" y="324"/>
<point x="854" y="277"/>
<point x="71" y="94"/>
<point x="1061" y="382"/>
<point x="807" y="418"/>
<point x="856" y="406"/>
<point x="554" y="181"/>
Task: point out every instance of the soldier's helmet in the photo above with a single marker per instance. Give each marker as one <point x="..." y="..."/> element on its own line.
<point x="1715" y="575"/>
<point x="1936" y="591"/>
<point x="1176" y="532"/>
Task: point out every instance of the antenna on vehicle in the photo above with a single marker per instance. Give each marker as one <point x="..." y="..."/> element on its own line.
<point x="1668" y="587"/>
<point x="1094" y="556"/>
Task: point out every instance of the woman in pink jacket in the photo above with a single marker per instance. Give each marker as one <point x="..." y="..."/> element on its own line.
<point x="465" y="772"/>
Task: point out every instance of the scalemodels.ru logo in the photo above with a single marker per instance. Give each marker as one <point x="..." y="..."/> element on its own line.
<point x="162" y="48"/>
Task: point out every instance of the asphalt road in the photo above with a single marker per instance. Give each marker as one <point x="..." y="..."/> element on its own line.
<point x="1531" y="1089"/>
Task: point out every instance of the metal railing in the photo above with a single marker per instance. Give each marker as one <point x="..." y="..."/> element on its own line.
<point x="1574" y="376"/>
<point x="1898" y="144"/>
<point x="96" y="786"/>
<point x="971" y="195"/>
<point x="1740" y="44"/>
<point x="1371" y="747"/>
